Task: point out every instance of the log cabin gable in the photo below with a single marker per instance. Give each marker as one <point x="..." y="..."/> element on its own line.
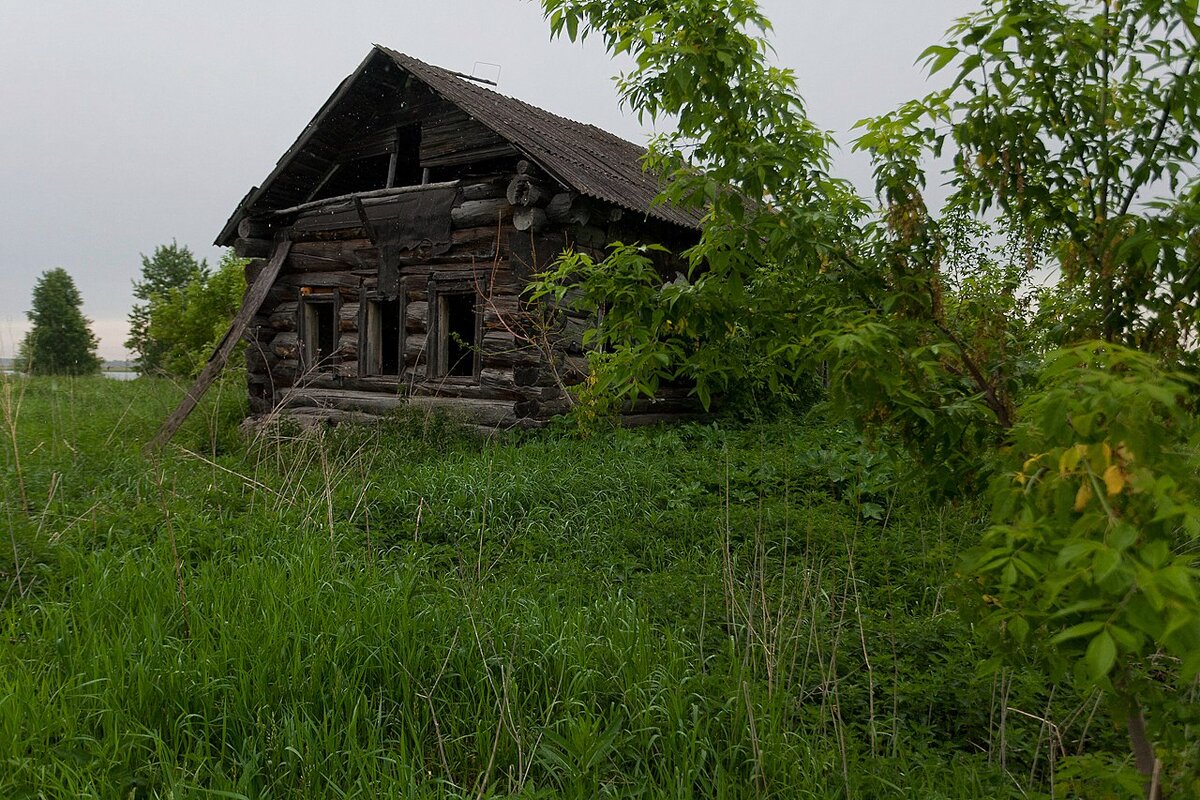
<point x="408" y="136"/>
<point x="415" y="207"/>
<point x="364" y="136"/>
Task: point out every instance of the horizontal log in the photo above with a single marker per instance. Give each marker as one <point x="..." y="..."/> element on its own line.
<point x="526" y="192"/>
<point x="529" y="219"/>
<point x="486" y="413"/>
<point x="468" y="410"/>
<point x="346" y="202"/>
<point x="482" y="239"/>
<point x="286" y="345"/>
<point x="475" y="213"/>
<point x="542" y="410"/>
<point x="253" y="267"/>
<point x="308" y="418"/>
<point x="252" y="248"/>
<point x="570" y="332"/>
<point x="321" y="280"/>
<point x="473" y="155"/>
<point x="566" y="208"/>
<point x="588" y="236"/>
<point x="300" y="234"/>
<point x="416" y="316"/>
<point x="284" y="317"/>
<point x="498" y="342"/>
<point x="414" y="347"/>
<point x="487" y="189"/>
<point x="664" y="405"/>
<point x="348" y="317"/>
<point x="568" y="369"/>
<point x="283" y="372"/>
<point x="320" y="256"/>
<point x="250" y="228"/>
<point x="494" y="383"/>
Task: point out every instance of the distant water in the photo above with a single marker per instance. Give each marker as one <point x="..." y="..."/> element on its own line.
<point x="115" y="374"/>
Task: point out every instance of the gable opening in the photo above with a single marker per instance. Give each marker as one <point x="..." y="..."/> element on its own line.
<point x="391" y="158"/>
<point x="406" y="167"/>
<point x="364" y="174"/>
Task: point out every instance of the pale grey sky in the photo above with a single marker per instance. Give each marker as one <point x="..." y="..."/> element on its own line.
<point x="129" y="123"/>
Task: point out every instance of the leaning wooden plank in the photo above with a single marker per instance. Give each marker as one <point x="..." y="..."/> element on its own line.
<point x="217" y="361"/>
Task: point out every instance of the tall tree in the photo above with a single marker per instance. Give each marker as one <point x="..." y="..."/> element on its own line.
<point x="60" y="341"/>
<point x="171" y="267"/>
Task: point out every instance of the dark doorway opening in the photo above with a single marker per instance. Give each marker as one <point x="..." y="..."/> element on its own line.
<point x="320" y="331"/>
<point x="383" y="344"/>
<point x="458" y="326"/>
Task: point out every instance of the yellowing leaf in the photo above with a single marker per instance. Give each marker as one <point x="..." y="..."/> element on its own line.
<point x="1070" y="459"/>
<point x="1114" y="480"/>
<point x="1083" y="496"/>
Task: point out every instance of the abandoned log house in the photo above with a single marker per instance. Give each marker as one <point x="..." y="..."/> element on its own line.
<point x="393" y="240"/>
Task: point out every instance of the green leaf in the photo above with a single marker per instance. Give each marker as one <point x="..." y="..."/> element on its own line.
<point x="1101" y="655"/>
<point x="1018" y="627"/>
<point x="1076" y="632"/>
<point x="937" y="57"/>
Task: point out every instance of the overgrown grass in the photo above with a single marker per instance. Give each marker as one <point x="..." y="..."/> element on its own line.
<point x="407" y="611"/>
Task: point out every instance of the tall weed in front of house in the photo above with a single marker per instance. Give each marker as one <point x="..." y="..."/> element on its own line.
<point x="404" y="610"/>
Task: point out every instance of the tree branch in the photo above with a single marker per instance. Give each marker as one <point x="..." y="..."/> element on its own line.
<point x="1156" y="139"/>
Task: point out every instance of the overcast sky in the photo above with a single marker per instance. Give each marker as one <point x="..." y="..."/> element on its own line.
<point x="126" y="124"/>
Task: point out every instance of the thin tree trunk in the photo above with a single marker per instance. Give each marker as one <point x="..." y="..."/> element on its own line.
<point x="1143" y="748"/>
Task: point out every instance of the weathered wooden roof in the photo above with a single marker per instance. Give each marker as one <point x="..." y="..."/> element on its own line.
<point x="581" y="157"/>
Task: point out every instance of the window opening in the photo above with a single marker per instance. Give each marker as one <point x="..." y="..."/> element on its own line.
<point x="382" y="348"/>
<point x="456" y="334"/>
<point x="320" y="331"/>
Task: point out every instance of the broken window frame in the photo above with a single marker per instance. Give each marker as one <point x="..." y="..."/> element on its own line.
<point x="312" y="299"/>
<point x="370" y="328"/>
<point x="437" y="345"/>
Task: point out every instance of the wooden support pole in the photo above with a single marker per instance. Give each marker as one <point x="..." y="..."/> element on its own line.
<point x="216" y="362"/>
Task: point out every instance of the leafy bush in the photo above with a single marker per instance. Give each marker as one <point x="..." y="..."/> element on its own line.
<point x="186" y="323"/>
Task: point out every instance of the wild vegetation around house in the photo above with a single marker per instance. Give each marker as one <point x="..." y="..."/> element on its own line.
<point x="726" y="610"/>
<point x="1070" y="130"/>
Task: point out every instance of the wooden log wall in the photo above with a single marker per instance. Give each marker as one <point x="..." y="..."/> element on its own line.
<point x="523" y="366"/>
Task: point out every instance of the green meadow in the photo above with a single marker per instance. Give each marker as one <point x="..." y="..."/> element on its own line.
<point x="739" y="609"/>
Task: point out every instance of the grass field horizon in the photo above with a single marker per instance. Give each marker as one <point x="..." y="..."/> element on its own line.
<point x="724" y="610"/>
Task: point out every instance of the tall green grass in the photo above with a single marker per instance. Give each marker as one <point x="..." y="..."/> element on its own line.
<point x="406" y="611"/>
